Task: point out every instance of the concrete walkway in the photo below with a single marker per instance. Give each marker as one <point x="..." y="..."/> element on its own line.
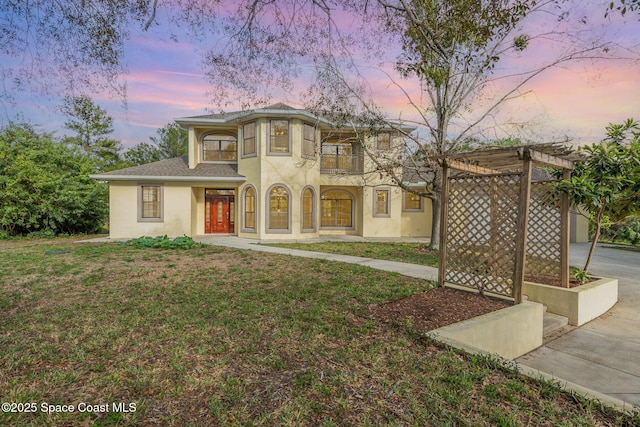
<point x="600" y="359"/>
<point x="411" y="270"/>
<point x="604" y="354"/>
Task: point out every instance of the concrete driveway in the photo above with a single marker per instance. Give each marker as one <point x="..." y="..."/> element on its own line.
<point x="604" y="354"/>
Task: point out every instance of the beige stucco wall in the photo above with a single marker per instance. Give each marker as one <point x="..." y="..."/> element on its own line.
<point x="123" y="212"/>
<point x="579" y="227"/>
<point x="417" y="224"/>
<point x="381" y="226"/>
<point x="509" y="333"/>
<point x="292" y="171"/>
<point x="580" y="304"/>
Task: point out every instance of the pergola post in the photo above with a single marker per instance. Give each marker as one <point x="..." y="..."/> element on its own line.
<point x="565" y="236"/>
<point x="444" y="220"/>
<point x="522" y="228"/>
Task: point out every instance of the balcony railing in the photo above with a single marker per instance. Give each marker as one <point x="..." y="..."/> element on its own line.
<point x="341" y="164"/>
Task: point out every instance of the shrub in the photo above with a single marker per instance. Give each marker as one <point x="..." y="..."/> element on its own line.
<point x="163" y="242"/>
<point x="45" y="186"/>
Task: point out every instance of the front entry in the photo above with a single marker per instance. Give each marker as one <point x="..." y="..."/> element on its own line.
<point x="219" y="213"/>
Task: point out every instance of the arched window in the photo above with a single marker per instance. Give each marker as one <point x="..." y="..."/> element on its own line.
<point x="337" y="209"/>
<point x="308" y="209"/>
<point x="249" y="205"/>
<point x="278" y="209"/>
<point x="219" y="148"/>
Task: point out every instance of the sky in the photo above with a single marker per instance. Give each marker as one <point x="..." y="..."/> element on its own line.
<point x="165" y="81"/>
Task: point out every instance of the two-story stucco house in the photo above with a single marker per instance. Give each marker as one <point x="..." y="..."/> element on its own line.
<point x="272" y="173"/>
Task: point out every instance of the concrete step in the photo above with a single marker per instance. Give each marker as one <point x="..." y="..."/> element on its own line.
<point x="553" y="322"/>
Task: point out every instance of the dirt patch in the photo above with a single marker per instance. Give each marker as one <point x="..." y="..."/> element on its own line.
<point x="426" y="311"/>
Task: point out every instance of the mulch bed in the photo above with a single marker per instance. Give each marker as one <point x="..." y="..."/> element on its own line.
<point x="426" y="311"/>
<point x="552" y="282"/>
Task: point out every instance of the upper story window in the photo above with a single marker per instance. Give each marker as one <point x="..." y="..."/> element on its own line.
<point x="279" y="141"/>
<point x="383" y="141"/>
<point x="308" y="140"/>
<point x="249" y="139"/>
<point x="219" y="148"/>
<point x="339" y="155"/>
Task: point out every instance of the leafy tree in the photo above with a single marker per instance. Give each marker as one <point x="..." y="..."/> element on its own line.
<point x="92" y="126"/>
<point x="627" y="231"/>
<point x="45" y="185"/>
<point x="623" y="6"/>
<point x="142" y="153"/>
<point x="607" y="183"/>
<point x="172" y="141"/>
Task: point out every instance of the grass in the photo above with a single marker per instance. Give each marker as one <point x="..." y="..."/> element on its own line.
<point x="412" y="253"/>
<point x="214" y="336"/>
<point x="622" y="246"/>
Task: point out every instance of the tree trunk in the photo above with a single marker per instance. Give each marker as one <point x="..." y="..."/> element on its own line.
<point x="436" y="205"/>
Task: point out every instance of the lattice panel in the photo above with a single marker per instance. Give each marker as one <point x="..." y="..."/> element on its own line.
<point x="481" y="232"/>
<point x="544" y="233"/>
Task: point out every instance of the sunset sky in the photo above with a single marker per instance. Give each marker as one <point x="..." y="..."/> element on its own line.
<point x="165" y="81"/>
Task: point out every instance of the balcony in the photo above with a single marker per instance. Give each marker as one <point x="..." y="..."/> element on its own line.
<point x="341" y="164"/>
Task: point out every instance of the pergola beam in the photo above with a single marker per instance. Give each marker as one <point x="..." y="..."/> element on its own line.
<point x="480" y="170"/>
<point x="546" y="159"/>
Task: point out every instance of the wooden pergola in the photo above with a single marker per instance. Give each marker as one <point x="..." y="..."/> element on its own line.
<point x="486" y="218"/>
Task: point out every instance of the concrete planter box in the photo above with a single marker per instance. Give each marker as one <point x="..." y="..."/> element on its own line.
<point x="580" y="304"/>
<point x="510" y="332"/>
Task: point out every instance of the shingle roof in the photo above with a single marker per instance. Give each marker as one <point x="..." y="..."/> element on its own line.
<point x="412" y="175"/>
<point x="176" y="169"/>
<point x="225" y="117"/>
<point x="279" y="108"/>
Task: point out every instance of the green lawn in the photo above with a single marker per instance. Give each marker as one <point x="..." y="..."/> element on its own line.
<point x="622" y="246"/>
<point x="214" y="336"/>
<point x="413" y="253"/>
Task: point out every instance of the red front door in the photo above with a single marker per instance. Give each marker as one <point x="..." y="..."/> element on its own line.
<point x="219" y="214"/>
